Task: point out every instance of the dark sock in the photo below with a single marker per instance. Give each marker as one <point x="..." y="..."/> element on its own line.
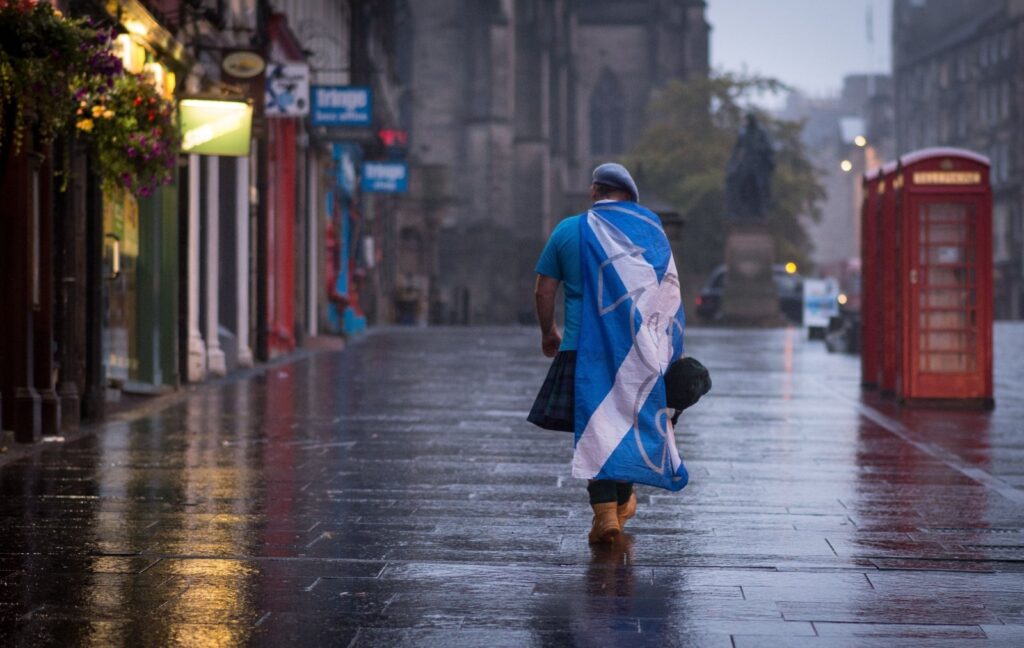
<point x="623" y="491"/>
<point x="602" y="491"/>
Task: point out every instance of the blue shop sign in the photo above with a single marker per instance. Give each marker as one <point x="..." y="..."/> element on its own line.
<point x="342" y="106"/>
<point x="385" y="177"/>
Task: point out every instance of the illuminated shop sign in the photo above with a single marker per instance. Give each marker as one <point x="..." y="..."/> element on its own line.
<point x="342" y="106"/>
<point x="385" y="177"/>
<point x="215" y="127"/>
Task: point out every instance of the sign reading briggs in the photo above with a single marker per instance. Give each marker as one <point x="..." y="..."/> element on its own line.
<point x="342" y="106"/>
<point x="385" y="177"/>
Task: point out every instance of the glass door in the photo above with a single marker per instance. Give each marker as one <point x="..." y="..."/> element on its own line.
<point x="947" y="335"/>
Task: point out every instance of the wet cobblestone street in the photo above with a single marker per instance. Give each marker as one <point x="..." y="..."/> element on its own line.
<point x="393" y="494"/>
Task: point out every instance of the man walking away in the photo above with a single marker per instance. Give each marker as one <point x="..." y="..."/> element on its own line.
<point x="623" y="327"/>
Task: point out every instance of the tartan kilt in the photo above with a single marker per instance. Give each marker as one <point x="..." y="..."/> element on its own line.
<point x="555" y="405"/>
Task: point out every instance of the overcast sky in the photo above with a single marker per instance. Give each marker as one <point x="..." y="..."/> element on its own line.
<point x="809" y="44"/>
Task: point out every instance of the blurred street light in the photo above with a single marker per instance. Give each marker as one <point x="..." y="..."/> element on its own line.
<point x="841" y="299"/>
<point x="791" y="267"/>
<point x="846" y="165"/>
<point x="860" y="141"/>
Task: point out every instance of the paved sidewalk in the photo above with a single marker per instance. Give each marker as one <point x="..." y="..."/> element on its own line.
<point x="393" y="494"/>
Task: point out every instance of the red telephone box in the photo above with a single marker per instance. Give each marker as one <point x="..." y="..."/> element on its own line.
<point x="870" y="326"/>
<point x="886" y="263"/>
<point x="943" y="203"/>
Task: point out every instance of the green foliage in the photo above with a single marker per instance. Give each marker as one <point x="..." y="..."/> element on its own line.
<point x="42" y="56"/>
<point x="682" y="156"/>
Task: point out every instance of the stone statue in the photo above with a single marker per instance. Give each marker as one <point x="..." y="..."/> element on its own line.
<point x="748" y="176"/>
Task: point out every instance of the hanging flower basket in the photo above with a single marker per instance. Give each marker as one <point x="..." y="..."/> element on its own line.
<point x="56" y="71"/>
<point x="136" y="138"/>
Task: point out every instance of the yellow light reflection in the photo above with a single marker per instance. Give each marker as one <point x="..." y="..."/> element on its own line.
<point x="217" y="586"/>
<point x="791" y="268"/>
<point x="133" y="55"/>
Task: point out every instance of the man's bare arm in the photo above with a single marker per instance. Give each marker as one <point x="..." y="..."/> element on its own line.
<point x="544" y="299"/>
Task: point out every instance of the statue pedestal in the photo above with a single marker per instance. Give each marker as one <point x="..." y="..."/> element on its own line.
<point x="749" y="297"/>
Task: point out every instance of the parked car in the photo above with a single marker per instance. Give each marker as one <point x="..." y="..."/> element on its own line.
<point x="790" y="287"/>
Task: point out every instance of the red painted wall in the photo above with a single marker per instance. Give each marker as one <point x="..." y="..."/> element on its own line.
<point x="281" y="235"/>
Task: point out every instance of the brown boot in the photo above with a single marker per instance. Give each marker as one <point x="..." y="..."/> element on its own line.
<point x="606" y="523"/>
<point x="626" y="511"/>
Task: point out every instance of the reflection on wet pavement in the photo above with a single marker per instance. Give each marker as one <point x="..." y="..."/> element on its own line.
<point x="393" y="494"/>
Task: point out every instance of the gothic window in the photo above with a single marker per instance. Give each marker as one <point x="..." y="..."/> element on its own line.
<point x="607" y="111"/>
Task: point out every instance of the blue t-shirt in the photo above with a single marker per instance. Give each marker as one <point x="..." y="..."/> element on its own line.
<point x="561" y="260"/>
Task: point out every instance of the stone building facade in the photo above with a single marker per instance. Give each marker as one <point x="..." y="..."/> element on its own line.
<point x="512" y="103"/>
<point x="958" y="69"/>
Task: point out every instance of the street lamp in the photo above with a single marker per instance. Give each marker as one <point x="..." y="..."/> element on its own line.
<point x="846" y="166"/>
<point x="860" y="141"/>
<point x="790" y="268"/>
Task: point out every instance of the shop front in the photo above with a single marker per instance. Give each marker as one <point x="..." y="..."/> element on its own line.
<point x="140" y="243"/>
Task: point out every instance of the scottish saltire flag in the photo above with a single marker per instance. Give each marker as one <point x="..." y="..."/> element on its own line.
<point x="631" y="330"/>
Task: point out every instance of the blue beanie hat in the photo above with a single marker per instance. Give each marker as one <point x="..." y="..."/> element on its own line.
<point x="616" y="175"/>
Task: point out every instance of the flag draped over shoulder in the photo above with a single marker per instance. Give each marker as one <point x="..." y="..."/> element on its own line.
<point x="631" y="330"/>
